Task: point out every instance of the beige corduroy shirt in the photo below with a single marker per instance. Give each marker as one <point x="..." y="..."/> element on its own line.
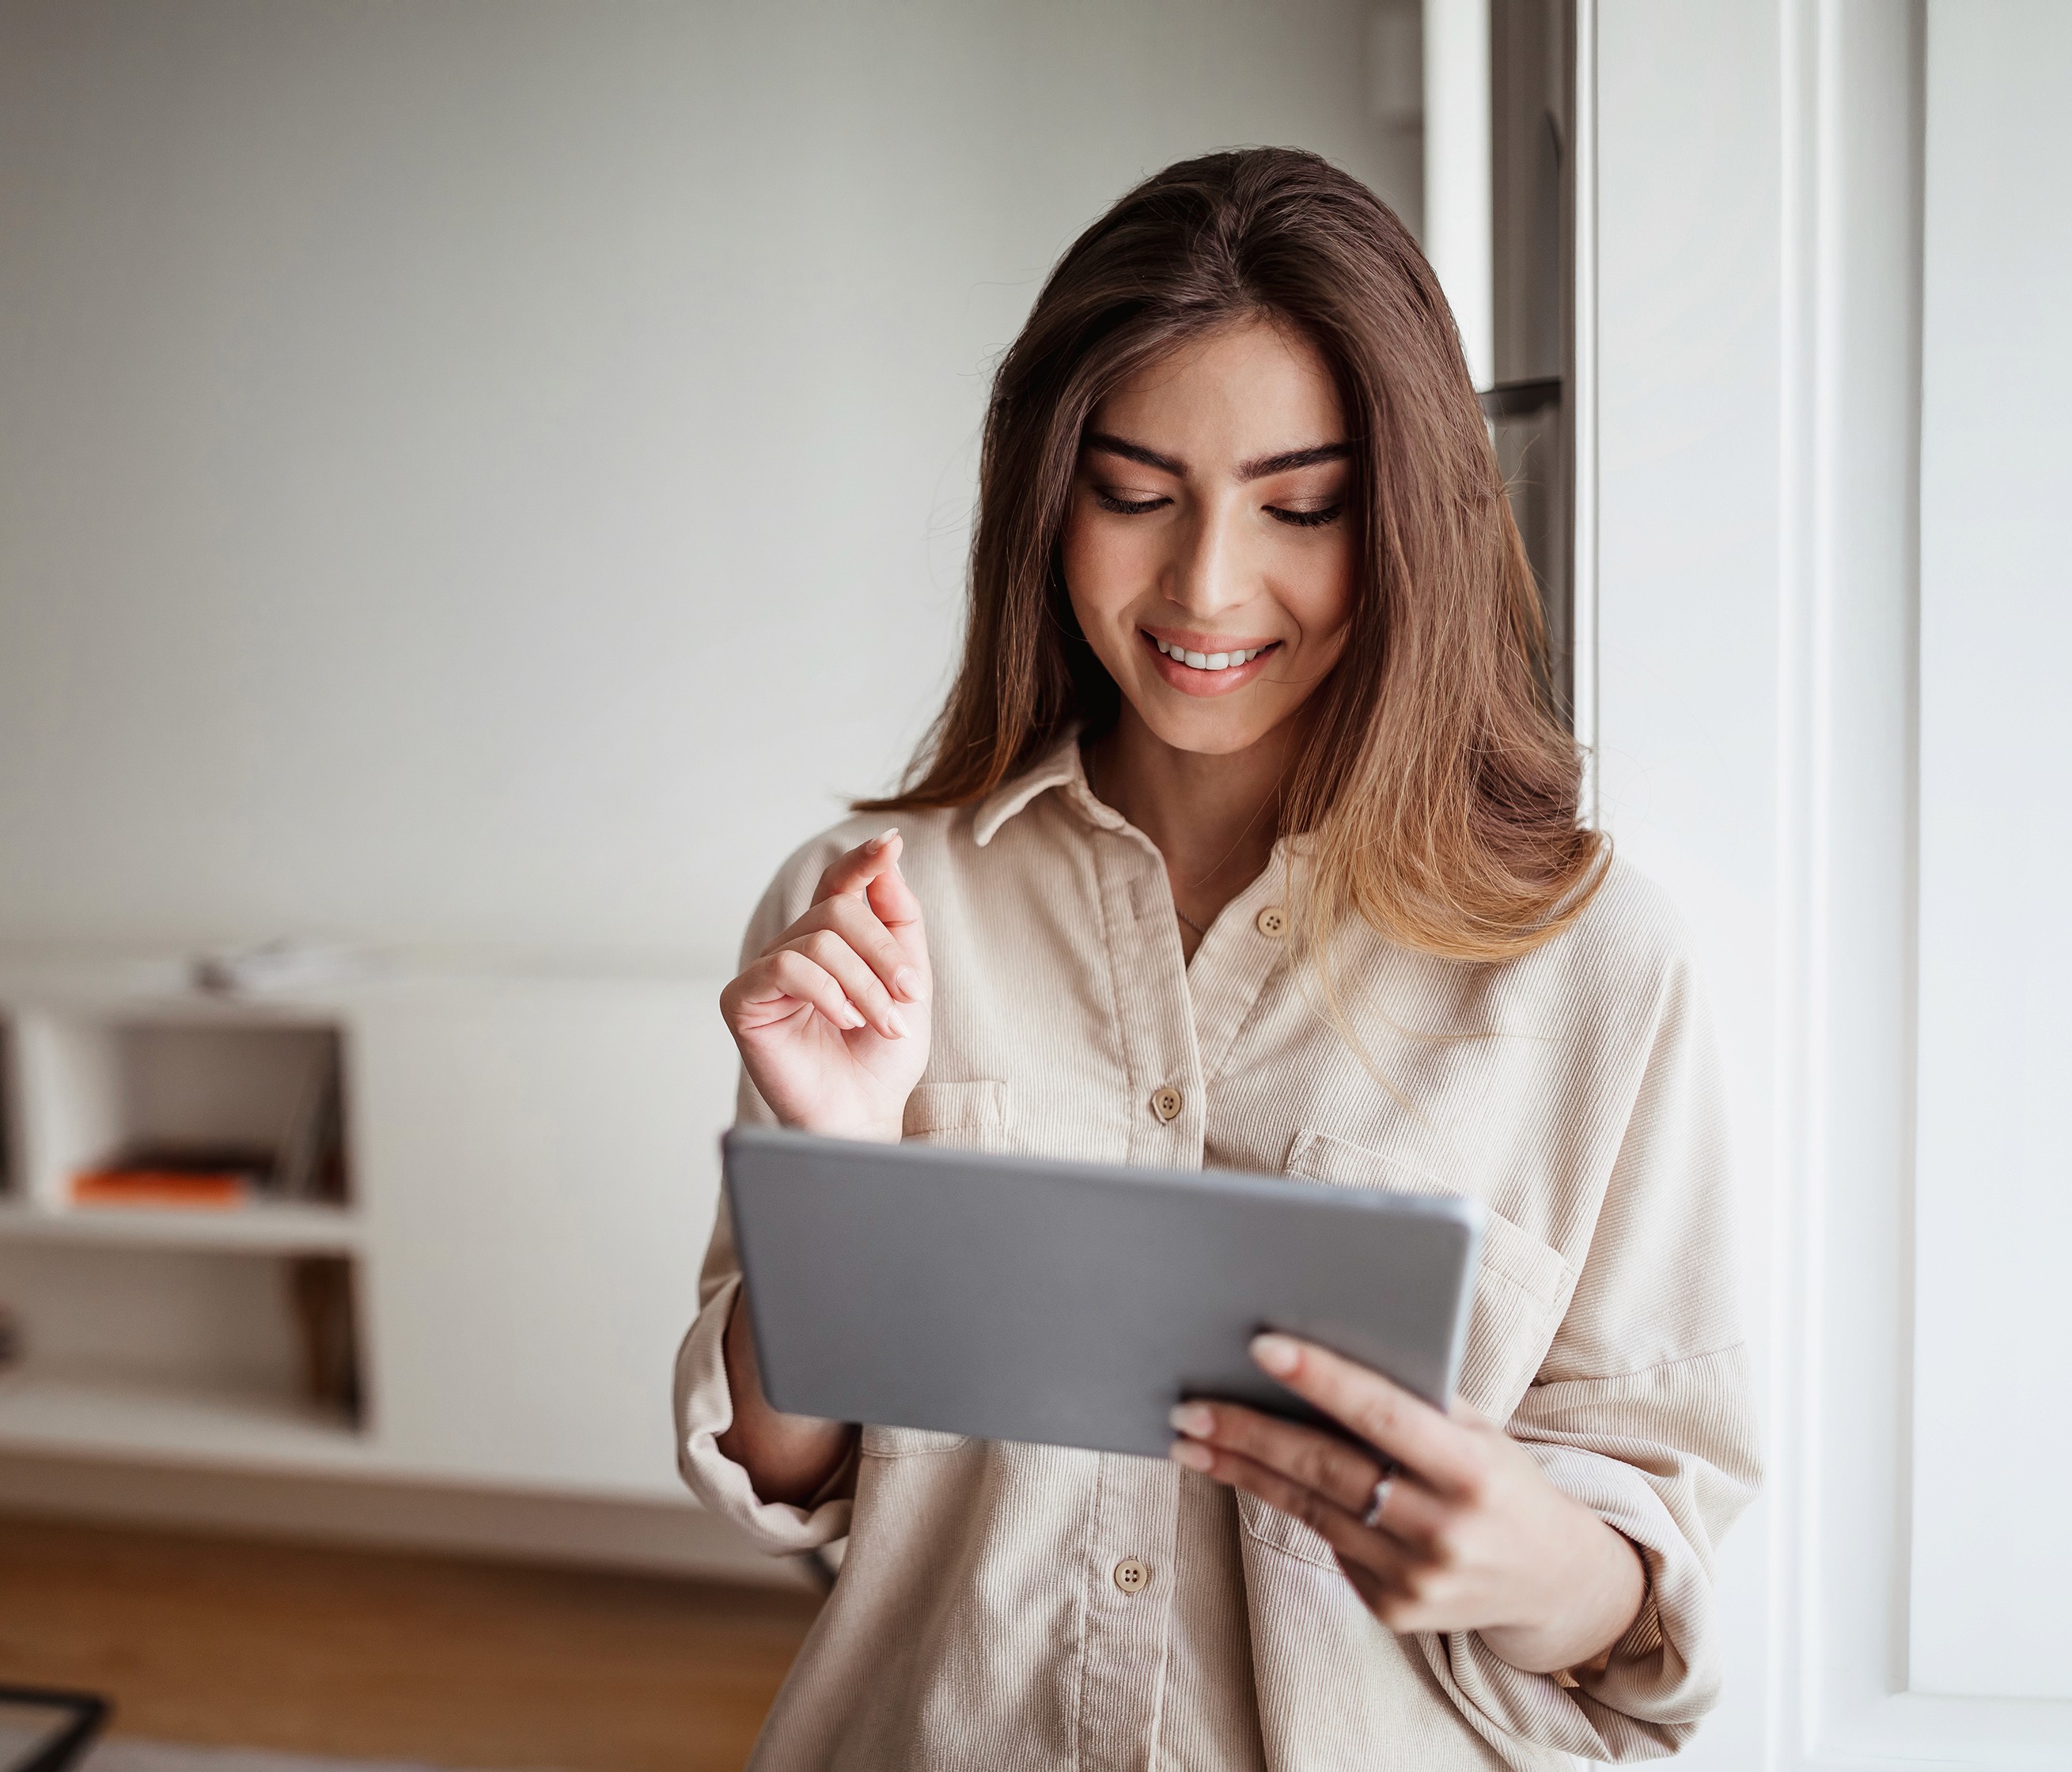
<point x="978" y="1622"/>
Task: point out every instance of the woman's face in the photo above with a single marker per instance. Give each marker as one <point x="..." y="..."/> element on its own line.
<point x="1209" y="549"/>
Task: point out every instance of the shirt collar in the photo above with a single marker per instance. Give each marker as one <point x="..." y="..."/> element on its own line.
<point x="1060" y="766"/>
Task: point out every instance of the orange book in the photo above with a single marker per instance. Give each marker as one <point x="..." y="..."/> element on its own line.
<point x="161" y="1187"/>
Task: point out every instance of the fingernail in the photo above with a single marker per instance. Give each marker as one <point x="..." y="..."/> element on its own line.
<point x="884" y="836"/>
<point x="1194" y="1456"/>
<point x="852" y="1016"/>
<point x="897" y="1022"/>
<point x="1276" y="1353"/>
<point x="907" y="981"/>
<point x="1193" y="1418"/>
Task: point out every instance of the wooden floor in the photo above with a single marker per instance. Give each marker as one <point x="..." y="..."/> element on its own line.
<point x="374" y="1655"/>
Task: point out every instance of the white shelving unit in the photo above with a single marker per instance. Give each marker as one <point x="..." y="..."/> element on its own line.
<point x="109" y="1416"/>
<point x="284" y="1227"/>
<point x="185" y="1331"/>
<point x="532" y="1168"/>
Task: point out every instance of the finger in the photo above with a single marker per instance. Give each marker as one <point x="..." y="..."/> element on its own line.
<point x="854" y="869"/>
<point x="1407" y="1605"/>
<point x="849" y="969"/>
<point x="1317" y="1461"/>
<point x="1403" y="1609"/>
<point x="757" y="999"/>
<point x="772" y="988"/>
<point x="1342" y="1474"/>
<point x="1410" y="1513"/>
<point x="1351" y="1540"/>
<point x="872" y="870"/>
<point x="1444" y="1453"/>
<point x="1467" y="1413"/>
<point x="900" y="912"/>
<point x="1375" y="1592"/>
<point x="851" y="918"/>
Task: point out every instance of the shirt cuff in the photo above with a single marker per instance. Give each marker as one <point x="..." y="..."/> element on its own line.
<point x="1641" y="1638"/>
<point x="1658" y="1681"/>
<point x="1666" y="1669"/>
<point x="704" y="1411"/>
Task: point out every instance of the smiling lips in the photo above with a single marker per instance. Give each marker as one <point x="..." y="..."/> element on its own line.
<point x="1206" y="665"/>
<point x="1208" y="661"/>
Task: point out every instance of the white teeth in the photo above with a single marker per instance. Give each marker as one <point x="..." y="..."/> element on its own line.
<point x="1207" y="661"/>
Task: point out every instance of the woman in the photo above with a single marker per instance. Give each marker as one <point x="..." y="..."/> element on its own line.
<point x="1246" y="838"/>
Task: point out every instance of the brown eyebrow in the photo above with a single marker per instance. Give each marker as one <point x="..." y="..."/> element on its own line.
<point x="1135" y="452"/>
<point x="1289" y="460"/>
<point x="1284" y="462"/>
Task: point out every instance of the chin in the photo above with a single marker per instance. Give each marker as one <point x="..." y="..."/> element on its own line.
<point x="1222" y="733"/>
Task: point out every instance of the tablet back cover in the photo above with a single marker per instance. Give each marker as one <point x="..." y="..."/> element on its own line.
<point x="1073" y="1304"/>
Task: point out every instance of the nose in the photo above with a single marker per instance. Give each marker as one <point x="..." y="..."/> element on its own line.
<point x="1207" y="574"/>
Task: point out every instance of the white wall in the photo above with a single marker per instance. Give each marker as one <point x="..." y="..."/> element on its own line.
<point x="1688" y="398"/>
<point x="1832" y="251"/>
<point x="1993" y="1330"/>
<point x="1460" y="198"/>
<point x="497" y="473"/>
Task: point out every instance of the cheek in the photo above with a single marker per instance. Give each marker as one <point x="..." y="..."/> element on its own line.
<point x="1106" y="567"/>
<point x="1319" y="593"/>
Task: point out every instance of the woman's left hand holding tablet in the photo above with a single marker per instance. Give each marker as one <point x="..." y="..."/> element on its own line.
<point x="1469" y="1534"/>
<point x="832" y="1017"/>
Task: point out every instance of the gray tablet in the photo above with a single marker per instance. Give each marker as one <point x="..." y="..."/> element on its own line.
<point x="1074" y="1303"/>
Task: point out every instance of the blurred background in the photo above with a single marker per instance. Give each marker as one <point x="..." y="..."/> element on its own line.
<point x="481" y="481"/>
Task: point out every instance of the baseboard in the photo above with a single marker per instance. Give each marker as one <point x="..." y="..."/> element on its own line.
<point x="658" y="1537"/>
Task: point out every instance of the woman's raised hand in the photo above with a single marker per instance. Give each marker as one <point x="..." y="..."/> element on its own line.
<point x="832" y="1017"/>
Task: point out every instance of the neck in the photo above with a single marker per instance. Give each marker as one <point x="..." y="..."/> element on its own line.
<point x="1214" y="818"/>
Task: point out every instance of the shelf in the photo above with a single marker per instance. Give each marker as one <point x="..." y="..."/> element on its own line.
<point x="486" y="1292"/>
<point x="114" y="1417"/>
<point x="290" y="1228"/>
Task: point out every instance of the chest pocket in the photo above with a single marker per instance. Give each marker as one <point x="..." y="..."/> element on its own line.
<point x="876" y="1442"/>
<point x="958" y="1115"/>
<point x="1521" y="1290"/>
<point x="955" y="1117"/>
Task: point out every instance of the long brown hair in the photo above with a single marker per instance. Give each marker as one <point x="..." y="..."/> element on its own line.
<point x="1437" y="787"/>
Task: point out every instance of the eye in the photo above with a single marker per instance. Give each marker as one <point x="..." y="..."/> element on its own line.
<point x="1306" y="520"/>
<point x="1127" y="507"/>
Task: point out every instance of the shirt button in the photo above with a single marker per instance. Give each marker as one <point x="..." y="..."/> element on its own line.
<point x="1130" y="1576"/>
<point x="1165" y="1103"/>
<point x="1272" y="922"/>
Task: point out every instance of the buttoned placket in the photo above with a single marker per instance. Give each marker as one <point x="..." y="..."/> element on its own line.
<point x="1176" y="1018"/>
<point x="1135" y="1516"/>
<point x="1245" y="948"/>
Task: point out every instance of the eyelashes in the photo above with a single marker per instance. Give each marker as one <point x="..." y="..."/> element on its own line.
<point x="1127" y="507"/>
<point x="1295" y="519"/>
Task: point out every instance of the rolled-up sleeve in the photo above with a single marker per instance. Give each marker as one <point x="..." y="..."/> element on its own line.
<point x="704" y="1411"/>
<point x="704" y="1398"/>
<point x="1641" y="1412"/>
